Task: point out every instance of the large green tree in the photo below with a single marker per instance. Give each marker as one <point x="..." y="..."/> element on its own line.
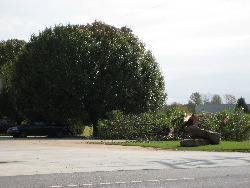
<point x="84" y="71"/>
<point x="10" y="52"/>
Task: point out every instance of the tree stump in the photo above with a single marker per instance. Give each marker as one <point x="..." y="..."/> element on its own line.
<point x="194" y="142"/>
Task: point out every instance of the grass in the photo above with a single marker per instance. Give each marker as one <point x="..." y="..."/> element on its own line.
<point x="224" y="146"/>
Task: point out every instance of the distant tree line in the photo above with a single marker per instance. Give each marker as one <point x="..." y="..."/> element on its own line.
<point x="198" y="98"/>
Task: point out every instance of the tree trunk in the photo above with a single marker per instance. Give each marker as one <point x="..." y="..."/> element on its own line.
<point x="95" y="129"/>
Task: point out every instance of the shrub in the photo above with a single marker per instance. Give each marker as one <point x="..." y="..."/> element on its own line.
<point x="76" y="127"/>
<point x="175" y="118"/>
<point x="233" y="126"/>
<point x="143" y="126"/>
<point x="208" y="121"/>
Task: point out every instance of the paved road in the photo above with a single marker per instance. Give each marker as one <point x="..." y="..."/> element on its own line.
<point x="228" y="177"/>
<point x="42" y="162"/>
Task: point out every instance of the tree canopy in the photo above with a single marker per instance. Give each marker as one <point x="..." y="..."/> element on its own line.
<point x="216" y="99"/>
<point x="241" y="103"/>
<point x="84" y="71"/>
<point x="230" y="99"/>
<point x="195" y="99"/>
<point x="10" y="52"/>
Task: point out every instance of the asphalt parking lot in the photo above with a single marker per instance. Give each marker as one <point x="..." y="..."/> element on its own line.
<point x="40" y="155"/>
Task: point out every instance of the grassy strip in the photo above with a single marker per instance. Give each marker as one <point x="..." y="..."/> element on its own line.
<point x="226" y="146"/>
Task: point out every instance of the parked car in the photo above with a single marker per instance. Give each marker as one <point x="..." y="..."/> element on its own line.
<point x="50" y="129"/>
<point x="4" y="126"/>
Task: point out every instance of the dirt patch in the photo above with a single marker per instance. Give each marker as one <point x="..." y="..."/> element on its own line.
<point x="30" y="141"/>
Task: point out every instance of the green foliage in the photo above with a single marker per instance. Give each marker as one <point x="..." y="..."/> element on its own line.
<point x="175" y="105"/>
<point x="234" y="126"/>
<point x="73" y="71"/>
<point x="87" y="132"/>
<point x="46" y="76"/>
<point x="231" y="125"/>
<point x="117" y="125"/>
<point x="208" y="121"/>
<point x="237" y="126"/>
<point x="241" y="103"/>
<point x="216" y="99"/>
<point x="176" y="117"/>
<point x="195" y="99"/>
<point x="10" y="52"/>
<point x="75" y="127"/>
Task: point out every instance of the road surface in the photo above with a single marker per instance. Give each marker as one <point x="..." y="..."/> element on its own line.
<point x="43" y="162"/>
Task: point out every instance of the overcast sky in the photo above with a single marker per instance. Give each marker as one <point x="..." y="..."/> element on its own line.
<point x="201" y="45"/>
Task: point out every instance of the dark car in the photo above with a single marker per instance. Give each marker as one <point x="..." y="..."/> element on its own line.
<point x="4" y="126"/>
<point x="39" y="129"/>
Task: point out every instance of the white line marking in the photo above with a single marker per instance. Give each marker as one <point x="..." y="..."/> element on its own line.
<point x="153" y="180"/>
<point x="120" y="182"/>
<point x="87" y="184"/>
<point x="188" y="178"/>
<point x="171" y="179"/>
<point x="55" y="186"/>
<point x="136" y="181"/>
<point x="105" y="183"/>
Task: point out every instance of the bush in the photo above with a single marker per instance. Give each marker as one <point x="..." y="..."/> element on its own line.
<point x="175" y="118"/>
<point x="143" y="126"/>
<point x="234" y="126"/>
<point x="208" y="121"/>
<point x="75" y="127"/>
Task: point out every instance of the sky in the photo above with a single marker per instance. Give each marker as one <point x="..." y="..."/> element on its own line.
<point x="200" y="45"/>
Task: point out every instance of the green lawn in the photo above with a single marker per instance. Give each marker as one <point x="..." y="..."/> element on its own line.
<point x="175" y="145"/>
